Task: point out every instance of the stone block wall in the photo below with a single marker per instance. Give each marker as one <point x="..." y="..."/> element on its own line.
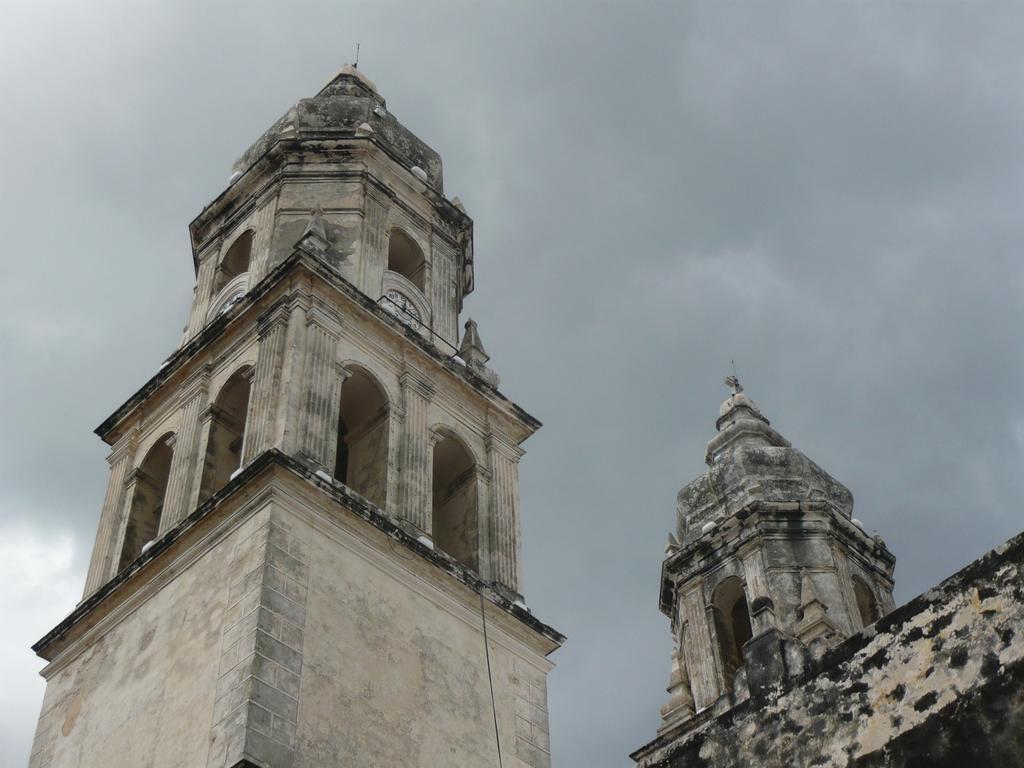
<point x="256" y="712"/>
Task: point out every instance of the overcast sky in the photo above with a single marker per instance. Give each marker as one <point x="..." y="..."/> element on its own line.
<point x="830" y="194"/>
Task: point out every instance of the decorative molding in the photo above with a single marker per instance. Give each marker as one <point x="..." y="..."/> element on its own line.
<point x="415" y="381"/>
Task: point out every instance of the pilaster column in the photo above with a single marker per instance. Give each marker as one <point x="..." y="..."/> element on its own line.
<point x="184" y="458"/>
<point x="851" y="622"/>
<point x="132" y="480"/>
<point x="263" y="223"/>
<point x="198" y="494"/>
<point x="503" y="528"/>
<point x="698" y="648"/>
<point x="100" y="567"/>
<point x="396" y="418"/>
<point x="757" y="587"/>
<point x="322" y="383"/>
<point x="250" y="377"/>
<point x="290" y="396"/>
<point x="204" y="285"/>
<point x="261" y="419"/>
<point x="415" y="454"/>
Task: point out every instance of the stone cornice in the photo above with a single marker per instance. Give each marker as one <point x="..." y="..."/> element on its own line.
<point x="198" y="383"/>
<point x="417" y="382"/>
<point x="302" y="262"/>
<point x="764" y="520"/>
<point x="501" y="444"/>
<point x="271" y="162"/>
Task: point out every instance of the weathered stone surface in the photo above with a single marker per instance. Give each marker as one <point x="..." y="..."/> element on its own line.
<point x="767" y="552"/>
<point x="314" y="488"/>
<point x="385" y="665"/>
<point x="787" y="641"/>
<point x="938" y="682"/>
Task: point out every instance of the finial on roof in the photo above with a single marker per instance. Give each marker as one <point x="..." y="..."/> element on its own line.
<point x="737" y="400"/>
<point x="733" y="380"/>
<point x="740" y="422"/>
<point x="472" y="348"/>
<point x="475" y="356"/>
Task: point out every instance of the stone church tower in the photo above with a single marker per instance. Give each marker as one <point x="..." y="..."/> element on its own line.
<point x="789" y="651"/>
<point x="309" y="549"/>
<point x="766" y="560"/>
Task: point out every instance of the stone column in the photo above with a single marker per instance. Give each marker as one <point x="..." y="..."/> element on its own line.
<point x="698" y="648"/>
<point x="288" y="427"/>
<point x="415" y="454"/>
<point x="197" y="493"/>
<point x="396" y="418"/>
<point x="204" y="285"/>
<point x="374" y="242"/>
<point x="263" y="224"/>
<point x="108" y="532"/>
<point x="178" y="496"/>
<point x="757" y="590"/>
<point x="250" y="377"/>
<point x="503" y="528"/>
<point x="851" y="622"/>
<point x="261" y="419"/>
<point x="132" y="479"/>
<point x="322" y="383"/>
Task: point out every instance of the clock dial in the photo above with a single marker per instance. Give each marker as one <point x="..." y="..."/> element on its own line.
<point x="401" y="306"/>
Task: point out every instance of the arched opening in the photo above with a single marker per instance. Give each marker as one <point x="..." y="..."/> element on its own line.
<point x="143" y="523"/>
<point x="362" y="459"/>
<point x="732" y="625"/>
<point x="454" y="501"/>
<point x="866" y="604"/>
<point x="235" y="261"/>
<point x="406" y="258"/>
<point x="227" y="434"/>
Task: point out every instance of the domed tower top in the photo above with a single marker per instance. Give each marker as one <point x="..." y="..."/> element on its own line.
<point x="350" y="105"/>
<point x="749" y="461"/>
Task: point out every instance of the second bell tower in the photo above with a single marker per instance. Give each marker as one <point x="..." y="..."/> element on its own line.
<point x="767" y="564"/>
<point x="309" y="550"/>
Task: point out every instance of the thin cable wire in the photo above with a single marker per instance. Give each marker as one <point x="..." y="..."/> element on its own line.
<point x="490" y="680"/>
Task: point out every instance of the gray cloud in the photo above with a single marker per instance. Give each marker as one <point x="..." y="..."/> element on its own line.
<point x="828" y="194"/>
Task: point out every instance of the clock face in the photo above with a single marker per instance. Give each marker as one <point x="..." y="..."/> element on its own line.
<point x="401" y="306"/>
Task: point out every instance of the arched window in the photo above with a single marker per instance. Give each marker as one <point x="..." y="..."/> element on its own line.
<point x="406" y="258"/>
<point x="227" y="434"/>
<point x="362" y="457"/>
<point x="143" y="523"/>
<point x="455" y="502"/>
<point x="866" y="605"/>
<point x="235" y="261"/>
<point x="732" y="625"/>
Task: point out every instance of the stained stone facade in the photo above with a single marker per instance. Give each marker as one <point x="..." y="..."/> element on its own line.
<point x="309" y="549"/>
<point x="788" y="650"/>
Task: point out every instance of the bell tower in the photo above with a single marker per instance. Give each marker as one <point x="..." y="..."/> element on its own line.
<point x="767" y="564"/>
<point x="309" y="549"/>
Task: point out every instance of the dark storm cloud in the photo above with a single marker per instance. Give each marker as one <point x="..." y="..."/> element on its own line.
<point x="828" y="194"/>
